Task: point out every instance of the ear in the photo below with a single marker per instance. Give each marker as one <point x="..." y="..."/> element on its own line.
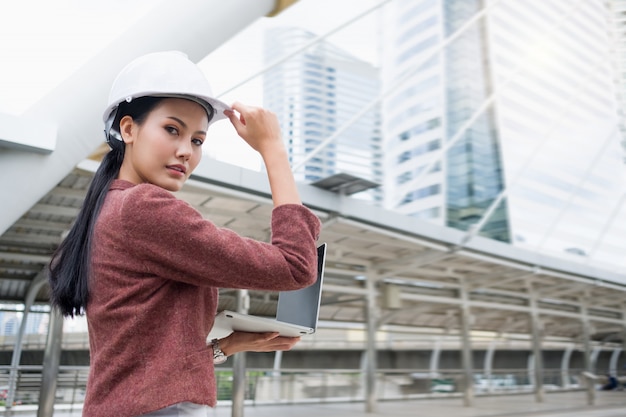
<point x="127" y="130"/>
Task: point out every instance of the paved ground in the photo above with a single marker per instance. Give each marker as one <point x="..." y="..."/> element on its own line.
<point x="569" y="404"/>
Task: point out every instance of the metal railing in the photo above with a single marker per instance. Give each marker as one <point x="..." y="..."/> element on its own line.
<point x="37" y="341"/>
<point x="268" y="386"/>
<point x="71" y="384"/>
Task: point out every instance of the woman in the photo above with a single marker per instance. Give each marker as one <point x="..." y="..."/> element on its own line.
<point x="145" y="267"/>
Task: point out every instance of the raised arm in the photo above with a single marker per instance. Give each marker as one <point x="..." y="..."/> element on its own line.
<point x="260" y="129"/>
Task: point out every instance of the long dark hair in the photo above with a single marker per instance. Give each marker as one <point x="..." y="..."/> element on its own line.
<point x="70" y="264"/>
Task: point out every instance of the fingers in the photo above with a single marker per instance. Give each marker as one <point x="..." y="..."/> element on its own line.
<point x="279" y="343"/>
<point x="238" y="122"/>
<point x="264" y="342"/>
<point x="249" y="113"/>
<point x="254" y="338"/>
<point x="240" y="107"/>
<point x="257" y="126"/>
<point x="269" y="335"/>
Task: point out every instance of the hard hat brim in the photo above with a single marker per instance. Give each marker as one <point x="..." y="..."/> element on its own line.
<point x="217" y="105"/>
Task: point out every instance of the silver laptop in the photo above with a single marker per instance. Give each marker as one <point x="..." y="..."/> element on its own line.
<point x="297" y="313"/>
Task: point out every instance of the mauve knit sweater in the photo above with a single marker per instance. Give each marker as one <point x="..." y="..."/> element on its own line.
<point x="156" y="269"/>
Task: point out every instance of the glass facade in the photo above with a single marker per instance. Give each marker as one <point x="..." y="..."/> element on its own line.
<point x="549" y="142"/>
<point x="557" y="118"/>
<point x="474" y="174"/>
<point x="413" y="112"/>
<point x="316" y="93"/>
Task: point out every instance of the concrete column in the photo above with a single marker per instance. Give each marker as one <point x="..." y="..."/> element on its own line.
<point x="372" y="315"/>
<point x="613" y="361"/>
<point x="586" y="339"/>
<point x="567" y="354"/>
<point x="51" y="361"/>
<point x="623" y="334"/>
<point x="595" y="352"/>
<point x="239" y="363"/>
<point x="536" y="333"/>
<point x="276" y="375"/>
<point x="530" y="367"/>
<point x="488" y="367"/>
<point x="434" y="359"/>
<point x="466" y="347"/>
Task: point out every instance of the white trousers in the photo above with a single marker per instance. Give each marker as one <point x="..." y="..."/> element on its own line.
<point x="185" y="409"/>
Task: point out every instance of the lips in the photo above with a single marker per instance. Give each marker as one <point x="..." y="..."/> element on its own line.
<point x="180" y="168"/>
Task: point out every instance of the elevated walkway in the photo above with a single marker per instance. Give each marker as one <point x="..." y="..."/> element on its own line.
<point x="568" y="404"/>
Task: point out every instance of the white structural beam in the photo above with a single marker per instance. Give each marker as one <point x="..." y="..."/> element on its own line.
<point x="27" y="134"/>
<point x="196" y="27"/>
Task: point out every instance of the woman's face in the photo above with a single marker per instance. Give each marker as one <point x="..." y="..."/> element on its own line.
<point x="166" y="148"/>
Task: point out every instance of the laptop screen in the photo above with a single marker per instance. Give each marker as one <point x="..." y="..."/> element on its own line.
<point x="301" y="307"/>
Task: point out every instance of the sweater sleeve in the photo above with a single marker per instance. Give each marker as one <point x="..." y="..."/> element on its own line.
<point x="172" y="240"/>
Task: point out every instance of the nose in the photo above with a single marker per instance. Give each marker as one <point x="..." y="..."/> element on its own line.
<point x="184" y="150"/>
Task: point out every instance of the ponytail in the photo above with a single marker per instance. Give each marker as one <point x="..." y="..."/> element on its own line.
<point x="70" y="265"/>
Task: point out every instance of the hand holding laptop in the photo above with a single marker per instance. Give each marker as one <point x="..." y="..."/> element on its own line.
<point x="256" y="342"/>
<point x="297" y="313"/>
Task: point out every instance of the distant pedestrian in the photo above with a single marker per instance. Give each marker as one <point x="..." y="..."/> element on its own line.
<point x="611" y="383"/>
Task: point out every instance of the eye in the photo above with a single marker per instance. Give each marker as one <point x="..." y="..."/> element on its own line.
<point x="172" y="130"/>
<point x="197" y="142"/>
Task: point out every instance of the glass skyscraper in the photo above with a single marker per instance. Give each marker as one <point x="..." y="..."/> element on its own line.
<point x="316" y="93"/>
<point x="516" y="115"/>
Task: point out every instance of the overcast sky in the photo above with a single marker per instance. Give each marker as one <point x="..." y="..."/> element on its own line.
<point x="43" y="41"/>
<point x="241" y="58"/>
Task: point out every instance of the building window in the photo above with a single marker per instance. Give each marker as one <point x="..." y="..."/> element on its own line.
<point x="422" y="193"/>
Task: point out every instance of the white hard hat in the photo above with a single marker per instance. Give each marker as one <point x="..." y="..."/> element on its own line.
<point x="161" y="74"/>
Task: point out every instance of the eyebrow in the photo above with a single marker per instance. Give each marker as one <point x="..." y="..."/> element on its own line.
<point x="184" y="125"/>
